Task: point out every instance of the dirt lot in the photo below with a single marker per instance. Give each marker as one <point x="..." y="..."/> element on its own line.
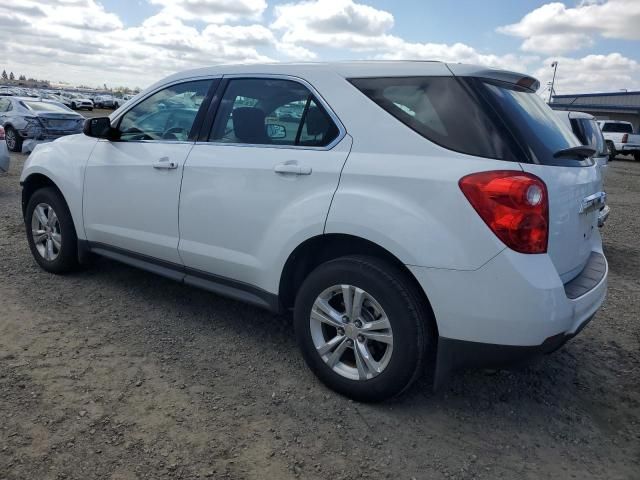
<point x="114" y="373"/>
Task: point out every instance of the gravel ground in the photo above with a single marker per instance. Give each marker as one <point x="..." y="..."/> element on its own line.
<point x="114" y="373"/>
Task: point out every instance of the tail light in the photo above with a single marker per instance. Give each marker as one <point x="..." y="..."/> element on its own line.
<point x="1" y="133"/>
<point x="514" y="205"/>
<point x="625" y="138"/>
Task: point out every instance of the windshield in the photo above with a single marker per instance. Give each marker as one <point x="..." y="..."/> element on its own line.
<point x="589" y="133"/>
<point x="46" y="107"/>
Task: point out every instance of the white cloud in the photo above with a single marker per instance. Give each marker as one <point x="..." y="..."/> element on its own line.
<point x="592" y="73"/>
<point x="213" y="11"/>
<point x="81" y="42"/>
<point x="556" y="29"/>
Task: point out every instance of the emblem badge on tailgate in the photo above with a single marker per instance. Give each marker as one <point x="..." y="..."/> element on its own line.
<point x="593" y="202"/>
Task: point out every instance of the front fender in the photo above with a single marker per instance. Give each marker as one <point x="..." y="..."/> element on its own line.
<point x="63" y="162"/>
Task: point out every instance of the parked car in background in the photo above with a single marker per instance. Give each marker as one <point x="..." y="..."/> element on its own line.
<point x="620" y="138"/>
<point x="417" y="214"/>
<point x="78" y="102"/>
<point x="35" y="119"/>
<point x="587" y="131"/>
<point x="4" y="153"/>
<point x="107" y="101"/>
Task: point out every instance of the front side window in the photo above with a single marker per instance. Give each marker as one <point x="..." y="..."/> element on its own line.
<point x="167" y="115"/>
<point x="271" y="112"/>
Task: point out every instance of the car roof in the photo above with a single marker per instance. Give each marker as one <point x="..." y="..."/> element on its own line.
<point x="358" y="69"/>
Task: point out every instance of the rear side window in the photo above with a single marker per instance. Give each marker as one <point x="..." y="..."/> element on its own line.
<point x="446" y="111"/>
<point x="617" y="128"/>
<point x="264" y="111"/>
<point x="589" y="134"/>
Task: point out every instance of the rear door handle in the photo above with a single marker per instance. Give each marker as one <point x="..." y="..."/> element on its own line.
<point x="165" y="164"/>
<point x="292" y="169"/>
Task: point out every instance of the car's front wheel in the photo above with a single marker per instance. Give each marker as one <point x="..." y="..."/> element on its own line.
<point x="362" y="327"/>
<point x="50" y="231"/>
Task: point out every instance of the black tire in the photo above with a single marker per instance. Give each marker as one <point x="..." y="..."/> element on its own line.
<point x="74" y="106"/>
<point x="91" y="109"/>
<point x="411" y="322"/>
<point x="636" y="156"/>
<point x="67" y="257"/>
<point x="612" y="151"/>
<point x="115" y="106"/>
<point x="13" y="140"/>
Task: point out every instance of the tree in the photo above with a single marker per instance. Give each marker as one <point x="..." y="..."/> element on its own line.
<point x="4" y="75"/>
<point x="12" y="76"/>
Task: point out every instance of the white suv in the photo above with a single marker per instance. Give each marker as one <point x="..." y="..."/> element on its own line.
<point x="412" y="215"/>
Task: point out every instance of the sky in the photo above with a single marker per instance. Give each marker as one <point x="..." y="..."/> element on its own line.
<point x="136" y="42"/>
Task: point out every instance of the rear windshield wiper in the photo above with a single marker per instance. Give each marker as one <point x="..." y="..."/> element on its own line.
<point x="581" y="151"/>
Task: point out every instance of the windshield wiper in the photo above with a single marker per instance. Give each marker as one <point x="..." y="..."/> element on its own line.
<point x="581" y="151"/>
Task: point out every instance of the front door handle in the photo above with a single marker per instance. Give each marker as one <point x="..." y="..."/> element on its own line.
<point x="165" y="164"/>
<point x="292" y="169"/>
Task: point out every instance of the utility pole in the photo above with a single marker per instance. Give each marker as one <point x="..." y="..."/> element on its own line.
<point x="554" y="65"/>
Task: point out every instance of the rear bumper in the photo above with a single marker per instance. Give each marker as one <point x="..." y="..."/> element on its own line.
<point x="627" y="147"/>
<point x="513" y="308"/>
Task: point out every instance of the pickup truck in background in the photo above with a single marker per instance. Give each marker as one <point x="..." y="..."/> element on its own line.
<point x="620" y="138"/>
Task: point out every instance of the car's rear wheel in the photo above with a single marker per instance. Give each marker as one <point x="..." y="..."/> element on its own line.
<point x="13" y="140"/>
<point x="636" y="156"/>
<point x="362" y="327"/>
<point x="50" y="231"/>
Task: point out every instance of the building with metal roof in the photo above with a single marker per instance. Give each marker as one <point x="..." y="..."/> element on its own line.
<point x="604" y="106"/>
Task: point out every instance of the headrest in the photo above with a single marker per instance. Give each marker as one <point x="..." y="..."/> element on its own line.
<point x="248" y="125"/>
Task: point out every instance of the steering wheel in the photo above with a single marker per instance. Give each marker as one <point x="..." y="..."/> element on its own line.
<point x="171" y="133"/>
<point x="140" y="134"/>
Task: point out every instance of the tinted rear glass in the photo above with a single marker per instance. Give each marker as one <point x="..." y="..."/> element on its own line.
<point x="448" y="111"/>
<point x="589" y="133"/>
<point x="46" y="107"/>
<point x="531" y="120"/>
<point x="617" y="128"/>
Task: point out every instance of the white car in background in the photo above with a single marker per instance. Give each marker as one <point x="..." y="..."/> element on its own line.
<point x="620" y="138"/>
<point x="4" y="153"/>
<point x="417" y="214"/>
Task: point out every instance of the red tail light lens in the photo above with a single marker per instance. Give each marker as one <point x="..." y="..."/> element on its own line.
<point x="1" y="133"/>
<point x="625" y="138"/>
<point x="514" y="205"/>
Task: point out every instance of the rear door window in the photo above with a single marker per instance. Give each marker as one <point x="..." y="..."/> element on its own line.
<point x="446" y="111"/>
<point x="267" y="111"/>
<point x="617" y="128"/>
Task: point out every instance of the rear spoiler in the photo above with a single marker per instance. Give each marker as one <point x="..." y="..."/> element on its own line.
<point x="514" y="78"/>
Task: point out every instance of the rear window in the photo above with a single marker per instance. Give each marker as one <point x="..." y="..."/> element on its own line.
<point x="589" y="133"/>
<point x="46" y="107"/>
<point x="446" y="111"/>
<point x="617" y="128"/>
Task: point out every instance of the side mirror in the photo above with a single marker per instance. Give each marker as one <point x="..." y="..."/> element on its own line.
<point x="275" y="131"/>
<point x="99" y="128"/>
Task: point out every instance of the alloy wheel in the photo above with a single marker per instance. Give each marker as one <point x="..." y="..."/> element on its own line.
<point x="45" y="231"/>
<point x="351" y="332"/>
<point x="10" y="137"/>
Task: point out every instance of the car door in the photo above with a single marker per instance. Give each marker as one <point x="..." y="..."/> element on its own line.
<point x="132" y="185"/>
<point x="261" y="182"/>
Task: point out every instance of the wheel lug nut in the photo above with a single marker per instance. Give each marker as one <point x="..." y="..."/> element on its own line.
<point x="350" y="342"/>
<point x="340" y="332"/>
<point x="358" y="323"/>
<point x="345" y="319"/>
<point x="361" y="338"/>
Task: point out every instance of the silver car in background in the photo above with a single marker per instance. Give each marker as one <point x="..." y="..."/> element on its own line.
<point x="35" y="119"/>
